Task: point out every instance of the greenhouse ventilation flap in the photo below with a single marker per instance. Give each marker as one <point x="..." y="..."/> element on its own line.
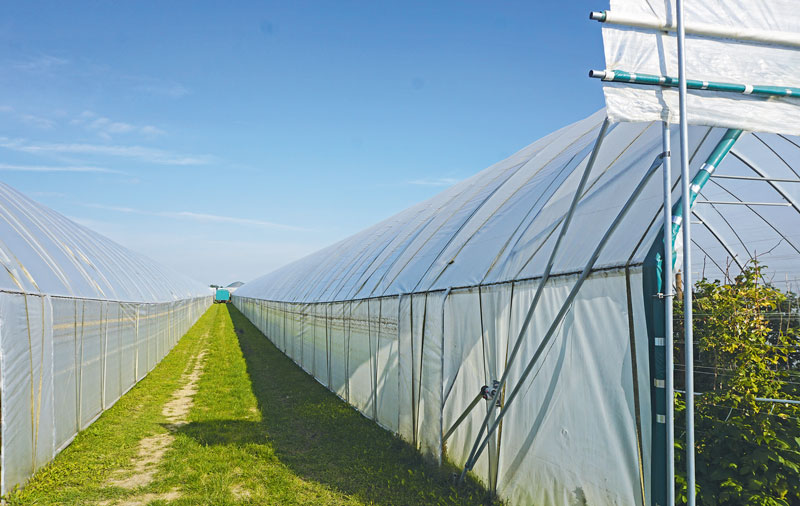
<point x="751" y="44"/>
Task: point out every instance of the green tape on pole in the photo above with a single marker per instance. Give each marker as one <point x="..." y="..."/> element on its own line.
<point x="621" y="76"/>
<point x="701" y="178"/>
<point x="653" y="283"/>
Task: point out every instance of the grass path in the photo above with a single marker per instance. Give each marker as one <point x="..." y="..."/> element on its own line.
<point x="236" y="422"/>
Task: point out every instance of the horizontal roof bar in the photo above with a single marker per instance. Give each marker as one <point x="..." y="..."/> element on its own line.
<point x="621" y="76"/>
<point x="790" y="39"/>
<point x="759" y="399"/>
<point x="756" y="178"/>
<point x="740" y="203"/>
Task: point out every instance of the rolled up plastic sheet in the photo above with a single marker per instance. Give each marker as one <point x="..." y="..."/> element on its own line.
<point x="747" y="42"/>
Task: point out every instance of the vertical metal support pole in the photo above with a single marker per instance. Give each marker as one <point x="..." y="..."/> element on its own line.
<point x="686" y="227"/>
<point x="539" y="290"/>
<point x="668" y="296"/>
<point x="560" y="315"/>
<point x="441" y="377"/>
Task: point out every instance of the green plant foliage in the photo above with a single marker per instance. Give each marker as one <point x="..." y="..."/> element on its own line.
<point x="746" y="338"/>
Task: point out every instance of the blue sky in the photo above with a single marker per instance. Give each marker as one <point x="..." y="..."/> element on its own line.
<point x="225" y="139"/>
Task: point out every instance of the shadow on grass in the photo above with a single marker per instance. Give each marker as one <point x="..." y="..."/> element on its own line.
<point x="321" y="438"/>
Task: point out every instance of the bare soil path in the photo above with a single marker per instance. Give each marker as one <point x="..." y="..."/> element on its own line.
<point x="152" y="448"/>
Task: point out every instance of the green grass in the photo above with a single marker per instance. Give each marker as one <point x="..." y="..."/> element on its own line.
<point x="261" y="431"/>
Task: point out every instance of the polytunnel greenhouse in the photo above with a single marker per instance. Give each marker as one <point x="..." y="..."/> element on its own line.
<point x="82" y="319"/>
<point x="410" y="318"/>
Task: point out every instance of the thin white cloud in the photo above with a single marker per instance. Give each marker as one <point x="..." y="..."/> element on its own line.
<point x="119" y="209"/>
<point x="150" y="85"/>
<point x="106" y="127"/>
<point x="197" y="254"/>
<point x="441" y="181"/>
<point x="149" y="155"/>
<point x="29" y="119"/>
<point x="112" y="127"/>
<point x="202" y="217"/>
<point x="46" y="194"/>
<point x="152" y="131"/>
<point x="163" y="88"/>
<point x="53" y="168"/>
<point x="228" y="219"/>
<point x="37" y="121"/>
<point x="41" y="63"/>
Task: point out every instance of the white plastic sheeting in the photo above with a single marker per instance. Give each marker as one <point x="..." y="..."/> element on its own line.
<point x="708" y="58"/>
<point x="82" y="319"/>
<point x="409" y="318"/>
<point x="413" y="366"/>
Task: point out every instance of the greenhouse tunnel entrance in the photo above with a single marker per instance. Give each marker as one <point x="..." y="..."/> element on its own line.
<point x="746" y="214"/>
